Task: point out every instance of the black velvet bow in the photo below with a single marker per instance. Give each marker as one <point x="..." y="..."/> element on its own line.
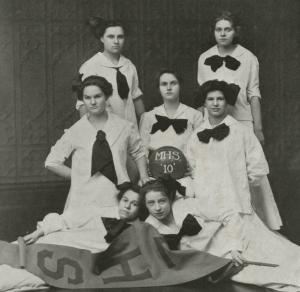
<point x="102" y="159"/>
<point x="172" y="185"/>
<point x="123" y="88"/>
<point x="190" y="226"/>
<point x="113" y="227"/>
<point x="215" y="62"/>
<point x="163" y="123"/>
<point x="218" y="133"/>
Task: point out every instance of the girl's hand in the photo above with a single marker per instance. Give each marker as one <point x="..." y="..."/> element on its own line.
<point x="144" y="180"/>
<point x="33" y="237"/>
<point x="237" y="257"/>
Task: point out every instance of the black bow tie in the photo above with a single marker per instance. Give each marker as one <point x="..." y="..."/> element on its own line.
<point x="190" y="226"/>
<point x="218" y="133"/>
<point x="113" y="227"/>
<point x="123" y="88"/>
<point x="215" y="62"/>
<point x="102" y="159"/>
<point x="163" y="123"/>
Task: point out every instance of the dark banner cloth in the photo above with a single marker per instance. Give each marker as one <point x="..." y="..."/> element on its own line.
<point x="138" y="257"/>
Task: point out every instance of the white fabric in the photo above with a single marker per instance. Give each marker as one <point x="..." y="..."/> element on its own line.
<point x="170" y="137"/>
<point x="246" y="76"/>
<point x="122" y="138"/>
<point x="223" y="169"/>
<point x="245" y="233"/>
<point x="101" y="66"/>
<point x="263" y="200"/>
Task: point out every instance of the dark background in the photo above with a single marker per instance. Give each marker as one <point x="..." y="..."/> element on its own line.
<point x="43" y="43"/>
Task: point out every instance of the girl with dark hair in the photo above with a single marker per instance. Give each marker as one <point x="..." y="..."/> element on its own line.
<point x="83" y="227"/>
<point x="231" y="62"/>
<point x="126" y="99"/>
<point x="171" y="123"/>
<point x="99" y="143"/>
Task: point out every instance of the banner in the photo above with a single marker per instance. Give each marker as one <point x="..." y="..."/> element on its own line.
<point x="138" y="257"/>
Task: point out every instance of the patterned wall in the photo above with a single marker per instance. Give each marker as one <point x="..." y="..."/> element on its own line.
<point x="42" y="44"/>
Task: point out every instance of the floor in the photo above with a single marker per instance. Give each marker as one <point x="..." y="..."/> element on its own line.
<point x="195" y="286"/>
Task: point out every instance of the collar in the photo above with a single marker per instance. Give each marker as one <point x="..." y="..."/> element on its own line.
<point x="160" y="110"/>
<point x="228" y="120"/>
<point x="238" y="51"/>
<point x="112" y="128"/>
<point x="107" y="63"/>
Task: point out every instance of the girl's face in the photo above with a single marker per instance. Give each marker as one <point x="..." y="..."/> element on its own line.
<point x="129" y="206"/>
<point x="169" y="87"/>
<point x="113" y="40"/>
<point x="158" y="204"/>
<point x="216" y="104"/>
<point x="94" y="100"/>
<point x="224" y="33"/>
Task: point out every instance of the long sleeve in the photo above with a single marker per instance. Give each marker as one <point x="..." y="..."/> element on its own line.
<point x="60" y="151"/>
<point x="256" y="163"/>
<point x="253" y="84"/>
<point x="135" y="145"/>
<point x="145" y="128"/>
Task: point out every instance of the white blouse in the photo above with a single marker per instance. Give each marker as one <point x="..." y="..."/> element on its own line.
<point x="169" y="137"/>
<point x="101" y="66"/>
<point x="223" y="169"/>
<point x="85" y="189"/>
<point x="246" y="76"/>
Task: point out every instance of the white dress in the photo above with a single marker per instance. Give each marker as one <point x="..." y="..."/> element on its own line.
<point x="247" y="77"/>
<point x="85" y="189"/>
<point x="246" y="233"/>
<point x="169" y="137"/>
<point x="99" y="65"/>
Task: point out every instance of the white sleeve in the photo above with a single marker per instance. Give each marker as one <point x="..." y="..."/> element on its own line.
<point x="145" y="129"/>
<point x="200" y="74"/>
<point x="60" y="151"/>
<point x="136" y="91"/>
<point x="135" y="145"/>
<point x="256" y="163"/>
<point x="190" y="151"/>
<point x="253" y="84"/>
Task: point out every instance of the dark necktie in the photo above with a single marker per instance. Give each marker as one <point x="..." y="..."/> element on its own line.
<point x="102" y="159"/>
<point x="123" y="88"/>
<point x="218" y="133"/>
<point x="190" y="226"/>
<point x="113" y="227"/>
<point x="163" y="123"/>
<point x="215" y="62"/>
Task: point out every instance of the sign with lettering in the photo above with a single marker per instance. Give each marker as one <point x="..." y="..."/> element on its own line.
<point x="167" y="160"/>
<point x="138" y="257"/>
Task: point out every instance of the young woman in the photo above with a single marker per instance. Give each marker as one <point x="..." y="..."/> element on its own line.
<point x="83" y="227"/>
<point x="231" y="62"/>
<point x="152" y="130"/>
<point x="125" y="101"/>
<point x="266" y="259"/>
<point x="99" y="143"/>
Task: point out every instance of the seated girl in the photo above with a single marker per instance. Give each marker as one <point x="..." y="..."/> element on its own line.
<point x="269" y="260"/>
<point x="86" y="227"/>
<point x="171" y="123"/>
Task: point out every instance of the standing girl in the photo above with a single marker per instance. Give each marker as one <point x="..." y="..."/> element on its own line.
<point x="231" y="62"/>
<point x="125" y="100"/>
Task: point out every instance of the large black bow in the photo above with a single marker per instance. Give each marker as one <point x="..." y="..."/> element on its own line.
<point x="218" y="133"/>
<point x="172" y="185"/>
<point x="163" y="123"/>
<point x="102" y="159"/>
<point x="123" y="88"/>
<point x="113" y="227"/>
<point x="190" y="226"/>
<point x="215" y="62"/>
